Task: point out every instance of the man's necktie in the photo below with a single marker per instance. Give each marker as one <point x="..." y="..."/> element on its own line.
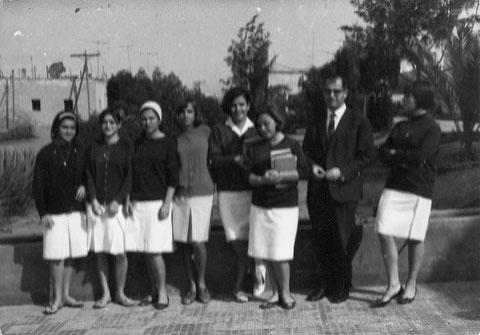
<point x="331" y="126"/>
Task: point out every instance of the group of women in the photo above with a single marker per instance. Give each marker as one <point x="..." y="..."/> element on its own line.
<point x="158" y="192"/>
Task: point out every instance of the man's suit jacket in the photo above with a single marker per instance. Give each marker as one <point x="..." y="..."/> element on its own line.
<point x="351" y="150"/>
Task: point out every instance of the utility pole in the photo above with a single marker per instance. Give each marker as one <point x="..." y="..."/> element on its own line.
<point x="128" y="54"/>
<point x="31" y="65"/>
<point x="13" y="100"/>
<point x="197" y="84"/>
<point x="6" y="102"/>
<point x="313" y="43"/>
<point x="98" y="42"/>
<point x="85" y="57"/>
<point x="148" y="54"/>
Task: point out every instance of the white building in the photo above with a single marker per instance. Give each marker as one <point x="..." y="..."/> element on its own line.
<point x="37" y="100"/>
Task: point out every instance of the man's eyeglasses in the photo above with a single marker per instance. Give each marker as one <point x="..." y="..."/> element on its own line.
<point x="335" y="92"/>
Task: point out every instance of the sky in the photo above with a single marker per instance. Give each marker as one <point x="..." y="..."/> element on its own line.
<point x="187" y="37"/>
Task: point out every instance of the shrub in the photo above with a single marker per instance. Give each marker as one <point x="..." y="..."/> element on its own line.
<point x="22" y="131"/>
<point x="16" y="176"/>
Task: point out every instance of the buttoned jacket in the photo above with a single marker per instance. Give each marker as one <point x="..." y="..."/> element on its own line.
<point x="350" y="149"/>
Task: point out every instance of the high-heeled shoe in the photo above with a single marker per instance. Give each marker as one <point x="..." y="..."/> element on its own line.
<point x="404" y="301"/>
<point x="379" y="303"/>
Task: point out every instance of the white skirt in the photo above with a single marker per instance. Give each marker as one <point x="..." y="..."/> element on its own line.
<point x="272" y="233"/>
<point x="106" y="233"/>
<point x="234" y="208"/>
<point x="67" y="238"/>
<point x="191" y="218"/>
<point x="403" y="214"/>
<point x="145" y="232"/>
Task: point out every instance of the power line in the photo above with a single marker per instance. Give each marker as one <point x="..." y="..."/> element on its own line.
<point x="128" y="54"/>
<point x="98" y="42"/>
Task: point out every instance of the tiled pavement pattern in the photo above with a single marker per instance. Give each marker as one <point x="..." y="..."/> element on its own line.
<point x="441" y="308"/>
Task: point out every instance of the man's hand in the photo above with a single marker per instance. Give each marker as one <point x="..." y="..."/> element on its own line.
<point x="333" y="174"/>
<point x="318" y="172"/>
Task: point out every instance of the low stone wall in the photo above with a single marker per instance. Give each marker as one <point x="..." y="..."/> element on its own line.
<point x="451" y="254"/>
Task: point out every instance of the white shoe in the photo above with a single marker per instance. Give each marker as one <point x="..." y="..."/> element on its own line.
<point x="260" y="274"/>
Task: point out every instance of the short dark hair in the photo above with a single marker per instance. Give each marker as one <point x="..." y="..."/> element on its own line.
<point x="198" y="120"/>
<point x="274" y="112"/>
<point x="422" y="92"/>
<point x="332" y="76"/>
<point x="116" y="112"/>
<point x="232" y="94"/>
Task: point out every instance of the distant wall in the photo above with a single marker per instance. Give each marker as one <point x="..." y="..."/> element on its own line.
<point x="51" y="95"/>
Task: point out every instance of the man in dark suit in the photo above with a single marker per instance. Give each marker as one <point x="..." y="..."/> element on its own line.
<point x="338" y="146"/>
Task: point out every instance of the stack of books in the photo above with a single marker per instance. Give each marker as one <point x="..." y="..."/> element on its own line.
<point x="283" y="161"/>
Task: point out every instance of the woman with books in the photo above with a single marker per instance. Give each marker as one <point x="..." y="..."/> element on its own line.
<point x="109" y="181"/>
<point x="274" y="167"/>
<point x="59" y="192"/>
<point x="154" y="176"/>
<point x="192" y="204"/>
<point x="226" y="158"/>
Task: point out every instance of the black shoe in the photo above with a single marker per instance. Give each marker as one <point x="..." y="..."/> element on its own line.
<point x="379" y="303"/>
<point x="286" y="305"/>
<point x="268" y="304"/>
<point x="340" y="296"/>
<point x="404" y="301"/>
<point x="160" y="306"/>
<point x="318" y="294"/>
<point x="189" y="297"/>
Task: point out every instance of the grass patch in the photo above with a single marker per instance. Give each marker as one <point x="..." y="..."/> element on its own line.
<point x="23" y="131"/>
<point x="16" y="176"/>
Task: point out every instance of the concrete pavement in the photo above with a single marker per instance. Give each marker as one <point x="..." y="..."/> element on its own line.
<point x="439" y="308"/>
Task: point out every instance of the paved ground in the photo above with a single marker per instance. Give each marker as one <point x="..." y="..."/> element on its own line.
<point x="445" y="308"/>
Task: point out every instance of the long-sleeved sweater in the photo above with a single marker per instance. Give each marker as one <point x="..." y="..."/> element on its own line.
<point x="57" y="175"/>
<point x="412" y="165"/>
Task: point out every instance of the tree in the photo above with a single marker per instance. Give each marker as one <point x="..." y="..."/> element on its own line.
<point x="400" y="20"/>
<point x="249" y="61"/>
<point x="458" y="81"/>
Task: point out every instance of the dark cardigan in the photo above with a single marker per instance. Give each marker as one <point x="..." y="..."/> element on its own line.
<point x="58" y="173"/>
<point x="109" y="171"/>
<point x="412" y="167"/>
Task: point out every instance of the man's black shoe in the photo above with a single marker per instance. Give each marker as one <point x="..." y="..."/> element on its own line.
<point x="318" y="294"/>
<point x="340" y="296"/>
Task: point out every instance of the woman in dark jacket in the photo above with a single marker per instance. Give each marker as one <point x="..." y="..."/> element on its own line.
<point x="406" y="201"/>
<point x="59" y="193"/>
<point x="227" y="148"/>
<point x="109" y="181"/>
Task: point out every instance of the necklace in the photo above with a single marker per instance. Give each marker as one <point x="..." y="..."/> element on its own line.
<point x="63" y="158"/>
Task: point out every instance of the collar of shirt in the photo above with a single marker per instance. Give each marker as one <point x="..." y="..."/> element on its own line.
<point x="338" y="114"/>
<point x="248" y="124"/>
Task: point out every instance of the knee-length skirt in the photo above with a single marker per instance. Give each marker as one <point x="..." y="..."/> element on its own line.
<point x="67" y="238"/>
<point x="234" y="208"/>
<point x="145" y="232"/>
<point x="191" y="218"/>
<point x="403" y="214"/>
<point x="107" y="233"/>
<point x="272" y="233"/>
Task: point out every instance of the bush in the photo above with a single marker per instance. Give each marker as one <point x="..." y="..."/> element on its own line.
<point x="16" y="176"/>
<point x="23" y="131"/>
